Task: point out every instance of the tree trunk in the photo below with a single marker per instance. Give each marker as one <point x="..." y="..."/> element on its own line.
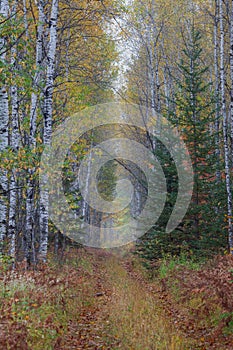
<point x="4" y="120"/>
<point x="225" y="131"/>
<point x="30" y="200"/>
<point x="47" y="111"/>
<point x="216" y="72"/>
<point x="231" y="70"/>
<point x="14" y="143"/>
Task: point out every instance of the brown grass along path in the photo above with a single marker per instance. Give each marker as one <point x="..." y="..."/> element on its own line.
<point x="94" y="300"/>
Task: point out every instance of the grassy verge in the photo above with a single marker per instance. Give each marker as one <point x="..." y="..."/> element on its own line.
<point x="202" y="296"/>
<point x="51" y="308"/>
<point x="101" y="300"/>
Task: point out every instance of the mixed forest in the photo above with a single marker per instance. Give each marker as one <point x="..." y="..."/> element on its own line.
<point x="165" y="290"/>
<point x="175" y="59"/>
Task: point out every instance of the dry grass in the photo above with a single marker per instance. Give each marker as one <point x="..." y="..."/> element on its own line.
<point x="136" y="316"/>
<point x="51" y="308"/>
<point x="97" y="300"/>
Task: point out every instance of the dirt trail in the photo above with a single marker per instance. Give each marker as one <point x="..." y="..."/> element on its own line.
<point x="127" y="312"/>
<point x="135" y="313"/>
<point x="100" y="300"/>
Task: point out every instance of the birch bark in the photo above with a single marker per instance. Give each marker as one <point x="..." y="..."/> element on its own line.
<point x="47" y="111"/>
<point x="14" y="143"/>
<point x="225" y="130"/>
<point x="216" y="73"/>
<point x="30" y="206"/>
<point x="231" y="70"/>
<point x="4" y="120"/>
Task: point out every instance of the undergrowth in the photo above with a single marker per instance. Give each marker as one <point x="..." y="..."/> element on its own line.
<point x="202" y="294"/>
<point x="37" y="307"/>
<point x="98" y="299"/>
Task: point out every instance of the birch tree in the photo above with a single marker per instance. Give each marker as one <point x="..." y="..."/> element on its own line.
<point x="4" y="121"/>
<point x="225" y="128"/>
<point x="230" y="223"/>
<point x="14" y="144"/>
<point x="36" y="91"/>
<point x="47" y="113"/>
<point x="217" y="95"/>
<point x="231" y="73"/>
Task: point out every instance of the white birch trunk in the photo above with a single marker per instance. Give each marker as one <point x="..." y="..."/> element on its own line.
<point x="37" y="77"/>
<point x="231" y="70"/>
<point x="216" y="72"/>
<point x="14" y="143"/>
<point x="4" y="115"/>
<point x="152" y="59"/>
<point x="4" y="120"/>
<point x="153" y="64"/>
<point x="30" y="209"/>
<point x="47" y="111"/>
<point x="87" y="183"/>
<point x="12" y="217"/>
<point x="225" y="130"/>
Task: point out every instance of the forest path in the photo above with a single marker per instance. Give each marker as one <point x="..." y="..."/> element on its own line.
<point x="102" y="300"/>
<point x="127" y="311"/>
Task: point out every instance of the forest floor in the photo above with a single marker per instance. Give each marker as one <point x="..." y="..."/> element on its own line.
<point x="98" y="299"/>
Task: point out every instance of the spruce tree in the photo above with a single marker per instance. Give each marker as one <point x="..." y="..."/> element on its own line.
<point x="201" y="231"/>
<point x="195" y="108"/>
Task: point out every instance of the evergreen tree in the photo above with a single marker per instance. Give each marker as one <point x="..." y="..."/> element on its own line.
<point x="195" y="117"/>
<point x="201" y="231"/>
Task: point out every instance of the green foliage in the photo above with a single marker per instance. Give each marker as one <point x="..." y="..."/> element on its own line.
<point x="169" y="263"/>
<point x="5" y="262"/>
<point x="201" y="233"/>
<point x="107" y="180"/>
<point x="195" y="116"/>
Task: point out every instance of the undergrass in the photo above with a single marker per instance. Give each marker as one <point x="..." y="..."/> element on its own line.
<point x="201" y="293"/>
<point x="137" y="318"/>
<point x="99" y="300"/>
<point x="169" y="263"/>
<point x="43" y="303"/>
